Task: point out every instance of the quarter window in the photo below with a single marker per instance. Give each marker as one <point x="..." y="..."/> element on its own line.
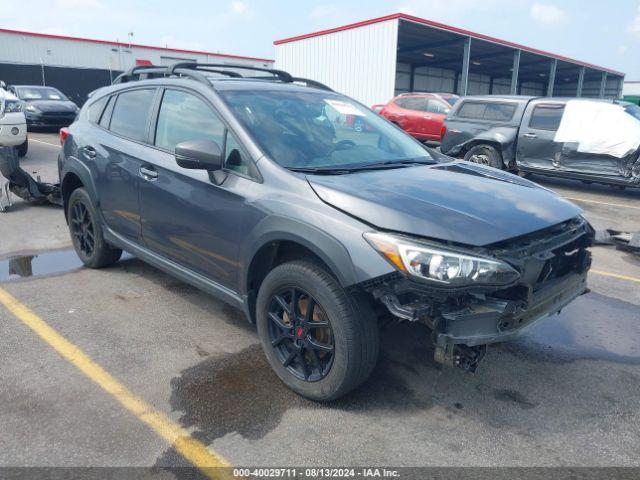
<point x="418" y="104"/>
<point x="131" y="112"/>
<point x="185" y="117"/>
<point x="546" y="117"/>
<point x="95" y="109"/>
<point x="106" y="115"/>
<point x="235" y="158"/>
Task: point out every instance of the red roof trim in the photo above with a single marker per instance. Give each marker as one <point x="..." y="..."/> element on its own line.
<point x="442" y="26"/>
<point x="135" y="45"/>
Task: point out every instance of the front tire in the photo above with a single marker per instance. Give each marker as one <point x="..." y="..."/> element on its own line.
<point x="23" y="148"/>
<point x="321" y="341"/>
<point x="86" y="232"/>
<point x="484" y="155"/>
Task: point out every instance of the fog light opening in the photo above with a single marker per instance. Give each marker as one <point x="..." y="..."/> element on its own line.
<point x="15" y="131"/>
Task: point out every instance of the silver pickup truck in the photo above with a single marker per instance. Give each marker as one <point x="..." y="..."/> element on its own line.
<point x="529" y="135"/>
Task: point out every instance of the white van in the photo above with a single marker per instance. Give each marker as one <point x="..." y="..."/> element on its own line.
<point x="13" y="126"/>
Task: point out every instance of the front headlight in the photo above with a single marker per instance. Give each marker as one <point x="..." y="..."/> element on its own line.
<point x="31" y="108"/>
<point x="12" y="106"/>
<point x="440" y="266"/>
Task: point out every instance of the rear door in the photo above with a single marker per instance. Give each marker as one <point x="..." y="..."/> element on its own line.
<point x="409" y="114"/>
<point x="536" y="147"/>
<point x="116" y="156"/>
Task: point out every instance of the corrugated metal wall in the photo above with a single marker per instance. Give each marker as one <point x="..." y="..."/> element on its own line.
<point x="60" y="52"/>
<point x="359" y="62"/>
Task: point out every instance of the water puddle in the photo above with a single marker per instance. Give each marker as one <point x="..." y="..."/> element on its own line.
<point x="38" y="264"/>
<point x="592" y="327"/>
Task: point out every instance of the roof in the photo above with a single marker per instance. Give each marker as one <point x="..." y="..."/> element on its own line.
<point x="448" y="28"/>
<point x="134" y="45"/>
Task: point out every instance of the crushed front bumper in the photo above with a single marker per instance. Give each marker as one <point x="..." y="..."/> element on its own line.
<point x="553" y="266"/>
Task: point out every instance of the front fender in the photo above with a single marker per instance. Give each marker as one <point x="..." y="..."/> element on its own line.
<point x="276" y="228"/>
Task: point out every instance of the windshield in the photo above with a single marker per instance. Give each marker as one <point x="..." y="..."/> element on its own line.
<point x="633" y="110"/>
<point x="321" y="130"/>
<point x="40" y="93"/>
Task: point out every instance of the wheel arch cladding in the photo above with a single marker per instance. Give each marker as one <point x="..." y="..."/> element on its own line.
<point x="275" y="248"/>
<point x="77" y="175"/>
<point x="501" y="138"/>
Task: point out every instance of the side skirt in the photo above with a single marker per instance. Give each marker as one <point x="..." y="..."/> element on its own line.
<point x="186" y="275"/>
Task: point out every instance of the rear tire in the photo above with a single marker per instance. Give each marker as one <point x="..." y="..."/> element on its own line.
<point x="23" y="148"/>
<point x="351" y="331"/>
<point x="485" y="155"/>
<point x="86" y="232"/>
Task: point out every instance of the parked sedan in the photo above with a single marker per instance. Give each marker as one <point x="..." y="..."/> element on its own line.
<point x="420" y="114"/>
<point x="45" y="106"/>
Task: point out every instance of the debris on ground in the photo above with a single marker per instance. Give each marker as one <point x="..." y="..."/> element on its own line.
<point x="625" y="241"/>
<point x="22" y="184"/>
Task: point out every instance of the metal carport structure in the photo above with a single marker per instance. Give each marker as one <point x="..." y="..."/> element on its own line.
<point x="378" y="58"/>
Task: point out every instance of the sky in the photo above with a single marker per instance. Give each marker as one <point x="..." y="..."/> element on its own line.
<point x="594" y="31"/>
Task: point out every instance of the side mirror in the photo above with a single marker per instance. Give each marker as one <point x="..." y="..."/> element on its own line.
<point x="199" y="155"/>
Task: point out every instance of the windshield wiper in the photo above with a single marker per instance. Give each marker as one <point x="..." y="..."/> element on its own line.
<point x="323" y="170"/>
<point x="389" y="164"/>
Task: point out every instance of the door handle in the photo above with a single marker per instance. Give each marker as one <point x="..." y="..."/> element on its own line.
<point x="89" y="152"/>
<point x="531" y="135"/>
<point x="427" y="117"/>
<point x="148" y="173"/>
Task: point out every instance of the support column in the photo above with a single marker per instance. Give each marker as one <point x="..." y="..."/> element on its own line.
<point x="580" y="82"/>
<point x="620" y="86"/>
<point x="516" y="71"/>
<point x="412" y="72"/>
<point x="552" y="77"/>
<point x="464" y="87"/>
<point x="603" y="84"/>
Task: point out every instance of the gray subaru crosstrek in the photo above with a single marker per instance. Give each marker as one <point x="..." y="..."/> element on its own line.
<point x="256" y="190"/>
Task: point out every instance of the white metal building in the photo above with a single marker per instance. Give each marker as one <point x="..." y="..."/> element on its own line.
<point x="79" y="65"/>
<point x="374" y="60"/>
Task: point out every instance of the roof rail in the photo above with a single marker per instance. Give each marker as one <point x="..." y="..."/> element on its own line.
<point x="198" y="71"/>
<point x="135" y="72"/>
<point x="282" y="75"/>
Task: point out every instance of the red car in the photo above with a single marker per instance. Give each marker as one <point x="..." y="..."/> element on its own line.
<point x="420" y="114"/>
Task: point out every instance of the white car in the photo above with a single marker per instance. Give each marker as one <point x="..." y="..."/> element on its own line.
<point x="13" y="125"/>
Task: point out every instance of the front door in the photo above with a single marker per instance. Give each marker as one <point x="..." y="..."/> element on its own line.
<point x="186" y="217"/>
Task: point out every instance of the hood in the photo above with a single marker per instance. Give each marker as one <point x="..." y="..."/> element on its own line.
<point x="60" y="106"/>
<point x="457" y="201"/>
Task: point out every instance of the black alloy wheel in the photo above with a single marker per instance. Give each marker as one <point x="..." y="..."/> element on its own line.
<point x="82" y="228"/>
<point x="301" y="334"/>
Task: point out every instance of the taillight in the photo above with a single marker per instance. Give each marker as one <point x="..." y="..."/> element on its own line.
<point x="443" y="130"/>
<point x="64" y="134"/>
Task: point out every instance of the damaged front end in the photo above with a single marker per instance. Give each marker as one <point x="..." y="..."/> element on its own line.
<point x="549" y="271"/>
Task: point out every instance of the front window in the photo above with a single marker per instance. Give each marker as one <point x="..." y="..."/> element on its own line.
<point x="40" y="93"/>
<point x="321" y="130"/>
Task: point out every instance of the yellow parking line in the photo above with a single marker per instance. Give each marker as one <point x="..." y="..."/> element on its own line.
<point x="603" y="203"/>
<point x="615" y="275"/>
<point x="46" y="143"/>
<point x="193" y="450"/>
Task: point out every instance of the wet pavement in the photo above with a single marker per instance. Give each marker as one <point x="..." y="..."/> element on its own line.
<point x="566" y="392"/>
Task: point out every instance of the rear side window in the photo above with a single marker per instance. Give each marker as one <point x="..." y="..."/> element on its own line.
<point x="413" y="103"/>
<point x="501" y="112"/>
<point x="434" y="106"/>
<point x="95" y="109"/>
<point x="546" y="117"/>
<point x="131" y="112"/>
